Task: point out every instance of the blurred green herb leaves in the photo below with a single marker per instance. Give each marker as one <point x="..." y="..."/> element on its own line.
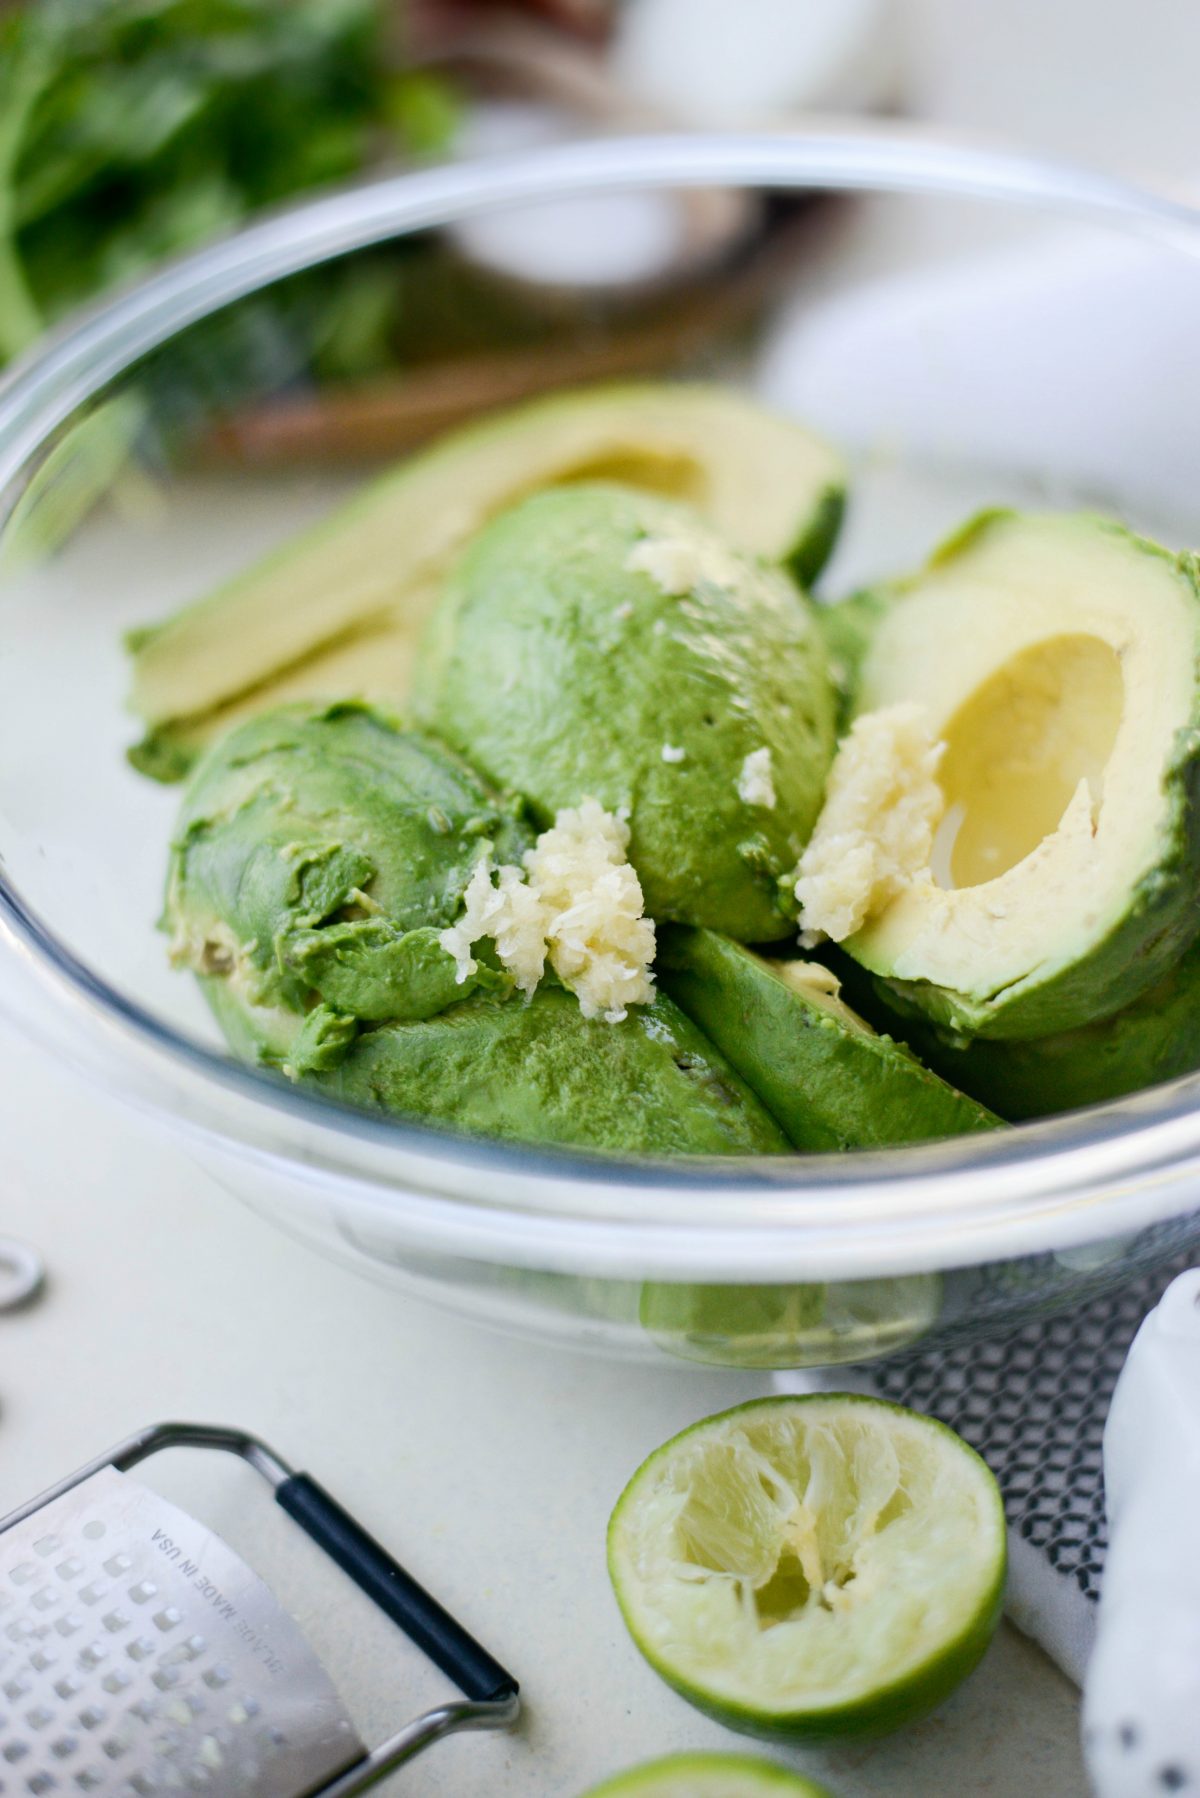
<point x="134" y="129"/>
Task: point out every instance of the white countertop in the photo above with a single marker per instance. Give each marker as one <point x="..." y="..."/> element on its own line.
<point x="489" y="1466"/>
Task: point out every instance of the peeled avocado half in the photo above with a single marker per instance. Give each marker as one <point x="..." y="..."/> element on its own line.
<point x="338" y="609"/>
<point x="1058" y="658"/>
<point x="820" y="1070"/>
<point x="320" y="852"/>
<point x="600" y="641"/>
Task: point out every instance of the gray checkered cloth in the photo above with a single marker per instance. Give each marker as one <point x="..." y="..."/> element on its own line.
<point x="1034" y="1406"/>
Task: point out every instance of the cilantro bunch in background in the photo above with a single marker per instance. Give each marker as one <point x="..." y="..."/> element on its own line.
<point x="131" y="130"/>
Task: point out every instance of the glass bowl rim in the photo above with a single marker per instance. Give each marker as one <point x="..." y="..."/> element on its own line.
<point x="1049" y="1176"/>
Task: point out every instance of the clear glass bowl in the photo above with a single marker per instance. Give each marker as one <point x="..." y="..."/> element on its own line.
<point x="787" y="1261"/>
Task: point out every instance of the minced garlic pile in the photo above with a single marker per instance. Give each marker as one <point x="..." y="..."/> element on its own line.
<point x="577" y="903"/>
<point x="680" y="561"/>
<point x="875" y="832"/>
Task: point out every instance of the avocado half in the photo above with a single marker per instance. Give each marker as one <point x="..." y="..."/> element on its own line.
<point x="818" y="1067"/>
<point x="337" y="611"/>
<point x="1058" y="659"/>
<point x="320" y="851"/>
<point x="597" y="641"/>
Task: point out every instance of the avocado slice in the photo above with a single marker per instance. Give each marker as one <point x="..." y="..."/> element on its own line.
<point x="532" y="1071"/>
<point x="816" y="1065"/>
<point x="338" y="609"/>
<point x="373" y="664"/>
<point x="1058" y="659"/>
<point x="595" y="640"/>
<point x="541" y="1072"/>
<point x="1156" y="1038"/>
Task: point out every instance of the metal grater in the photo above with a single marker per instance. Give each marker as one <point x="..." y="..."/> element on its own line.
<point x="140" y="1656"/>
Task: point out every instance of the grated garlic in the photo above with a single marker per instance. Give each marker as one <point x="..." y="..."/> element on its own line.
<point x="578" y="904"/>
<point x="875" y="835"/>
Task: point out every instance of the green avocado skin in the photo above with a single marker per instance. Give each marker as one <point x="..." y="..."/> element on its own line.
<point x="561" y="673"/>
<point x="1156" y="1038"/>
<point x="809" y="555"/>
<point x="829" y="1086"/>
<point x="847" y="628"/>
<point x="540" y="1072"/>
<point x="330" y="847"/>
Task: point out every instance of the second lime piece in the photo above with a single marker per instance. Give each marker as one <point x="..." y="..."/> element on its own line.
<point x="708" y="1776"/>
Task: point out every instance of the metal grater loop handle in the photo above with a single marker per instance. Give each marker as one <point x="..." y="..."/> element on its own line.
<point x="396" y="1593"/>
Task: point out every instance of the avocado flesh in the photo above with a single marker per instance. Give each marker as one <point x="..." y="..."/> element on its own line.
<point x="366" y="577"/>
<point x="319" y="852"/>
<point x="1156" y="1038"/>
<point x="818" y="1068"/>
<point x="562" y="668"/>
<point x="1057" y="657"/>
<point x="372" y="663"/>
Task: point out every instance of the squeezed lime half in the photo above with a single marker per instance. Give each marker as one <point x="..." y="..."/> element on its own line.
<point x="811" y="1567"/>
<point x="708" y="1776"/>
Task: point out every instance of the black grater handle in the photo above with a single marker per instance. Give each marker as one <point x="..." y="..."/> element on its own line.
<point x="396" y="1593"/>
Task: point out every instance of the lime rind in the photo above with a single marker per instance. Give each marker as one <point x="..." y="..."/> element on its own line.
<point x="708" y="1776"/>
<point x="813" y="1567"/>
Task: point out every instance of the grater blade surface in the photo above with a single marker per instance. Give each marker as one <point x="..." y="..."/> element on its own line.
<point x="141" y="1657"/>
